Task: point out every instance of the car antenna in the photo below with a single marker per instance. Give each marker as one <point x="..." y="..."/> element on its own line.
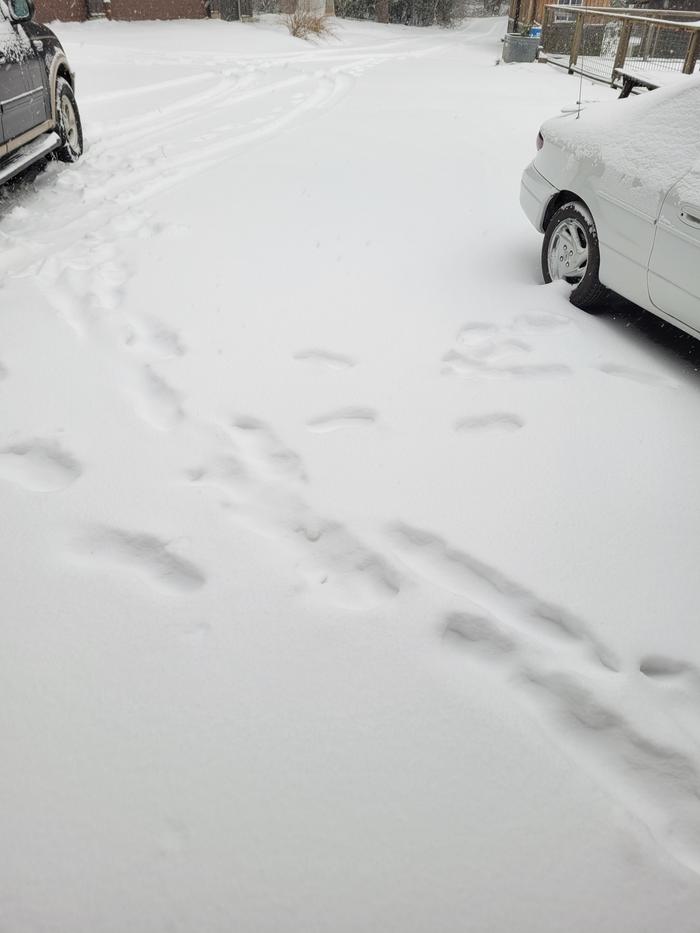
<point x="580" y="91"/>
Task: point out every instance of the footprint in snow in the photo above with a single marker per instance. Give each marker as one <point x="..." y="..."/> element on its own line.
<point x="226" y="472"/>
<point x="476" y="332"/>
<point x="335" y="562"/>
<point x="539" y="322"/>
<point x="342" y="418"/>
<point x="144" y="553"/>
<point x="264" y="451"/>
<point x="151" y="336"/>
<point x="462" y="365"/>
<point x="668" y="670"/>
<point x="494" y="350"/>
<point x="39" y="465"/>
<point x="489" y="350"/>
<point x="436" y="560"/>
<point x="479" y="633"/>
<point x="326" y="358"/>
<point x="635" y="375"/>
<point x="157" y="402"/>
<point x="555" y="663"/>
<point x="500" y="421"/>
<point x="656" y="780"/>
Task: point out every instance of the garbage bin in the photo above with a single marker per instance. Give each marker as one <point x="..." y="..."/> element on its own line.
<point x="517" y="48"/>
<point x="230" y="10"/>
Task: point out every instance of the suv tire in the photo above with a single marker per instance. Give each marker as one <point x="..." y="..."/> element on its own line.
<point x="68" y="126"/>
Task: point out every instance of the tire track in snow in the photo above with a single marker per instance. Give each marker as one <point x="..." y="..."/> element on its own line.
<point x="145" y="89"/>
<point x="105" y="177"/>
<point x="101" y="183"/>
<point x="256" y="60"/>
<point x="156" y="121"/>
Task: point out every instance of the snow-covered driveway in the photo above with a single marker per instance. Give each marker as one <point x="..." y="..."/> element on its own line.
<point x="349" y="575"/>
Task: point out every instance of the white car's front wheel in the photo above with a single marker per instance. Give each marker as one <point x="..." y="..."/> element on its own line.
<point x="570" y="253"/>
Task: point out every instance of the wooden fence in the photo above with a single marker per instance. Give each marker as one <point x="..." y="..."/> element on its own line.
<point x="596" y="41"/>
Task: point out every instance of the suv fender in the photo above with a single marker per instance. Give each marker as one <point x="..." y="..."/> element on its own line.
<point x="59" y="63"/>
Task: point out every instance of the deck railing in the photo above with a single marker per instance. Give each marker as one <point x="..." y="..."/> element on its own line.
<point x="596" y="41"/>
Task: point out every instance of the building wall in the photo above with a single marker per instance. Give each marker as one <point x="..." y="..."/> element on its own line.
<point x="48" y="10"/>
<point x="157" y="9"/>
<point x="530" y="11"/>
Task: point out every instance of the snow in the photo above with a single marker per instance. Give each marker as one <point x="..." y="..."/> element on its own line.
<point x="349" y="573"/>
<point x="635" y="144"/>
<point x="12" y="42"/>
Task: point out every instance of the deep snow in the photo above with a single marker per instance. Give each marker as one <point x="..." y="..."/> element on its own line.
<point x="349" y="574"/>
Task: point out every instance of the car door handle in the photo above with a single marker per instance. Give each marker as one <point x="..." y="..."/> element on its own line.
<point x="690" y="214"/>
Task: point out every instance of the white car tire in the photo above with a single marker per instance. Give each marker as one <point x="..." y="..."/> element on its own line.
<point x="570" y="253"/>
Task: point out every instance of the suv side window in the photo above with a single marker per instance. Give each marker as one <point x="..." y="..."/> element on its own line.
<point x="11" y="49"/>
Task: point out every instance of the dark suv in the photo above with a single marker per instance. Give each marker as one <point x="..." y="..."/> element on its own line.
<point x="38" y="112"/>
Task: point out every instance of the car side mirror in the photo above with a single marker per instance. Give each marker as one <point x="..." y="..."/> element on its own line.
<point x="21" y="11"/>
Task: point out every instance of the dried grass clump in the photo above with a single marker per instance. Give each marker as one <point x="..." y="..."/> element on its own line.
<point x="303" y="24"/>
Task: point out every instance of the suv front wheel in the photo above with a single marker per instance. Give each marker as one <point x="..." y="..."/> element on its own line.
<point x="570" y="252"/>
<point x="69" y="127"/>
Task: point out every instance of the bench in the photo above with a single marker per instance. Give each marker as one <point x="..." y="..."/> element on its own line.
<point x="632" y="79"/>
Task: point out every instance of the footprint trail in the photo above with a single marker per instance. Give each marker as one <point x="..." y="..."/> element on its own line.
<point x="637" y="733"/>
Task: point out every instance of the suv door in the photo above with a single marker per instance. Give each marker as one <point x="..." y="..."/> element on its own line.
<point x="22" y="94"/>
<point x="674" y="267"/>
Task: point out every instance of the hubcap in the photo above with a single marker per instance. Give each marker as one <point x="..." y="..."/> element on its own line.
<point x="69" y="123"/>
<point x="567" y="257"/>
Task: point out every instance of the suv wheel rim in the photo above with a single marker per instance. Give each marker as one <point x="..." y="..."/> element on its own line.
<point x="69" y="123"/>
<point x="567" y="256"/>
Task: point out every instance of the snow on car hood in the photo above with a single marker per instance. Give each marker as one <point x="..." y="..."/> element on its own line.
<point x="641" y="145"/>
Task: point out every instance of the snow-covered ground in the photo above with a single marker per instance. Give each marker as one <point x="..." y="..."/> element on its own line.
<point x="349" y="575"/>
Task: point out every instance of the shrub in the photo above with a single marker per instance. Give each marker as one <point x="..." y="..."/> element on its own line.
<point x="303" y="24"/>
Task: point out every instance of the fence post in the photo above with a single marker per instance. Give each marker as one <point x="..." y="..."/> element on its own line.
<point x="576" y="42"/>
<point x="546" y="20"/>
<point x="530" y="13"/>
<point x="622" y="46"/>
<point x="645" y="44"/>
<point x="692" y="56"/>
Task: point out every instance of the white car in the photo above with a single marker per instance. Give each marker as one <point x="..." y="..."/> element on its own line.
<point x="616" y="191"/>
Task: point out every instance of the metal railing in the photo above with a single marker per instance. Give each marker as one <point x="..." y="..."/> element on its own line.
<point x="596" y="41"/>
